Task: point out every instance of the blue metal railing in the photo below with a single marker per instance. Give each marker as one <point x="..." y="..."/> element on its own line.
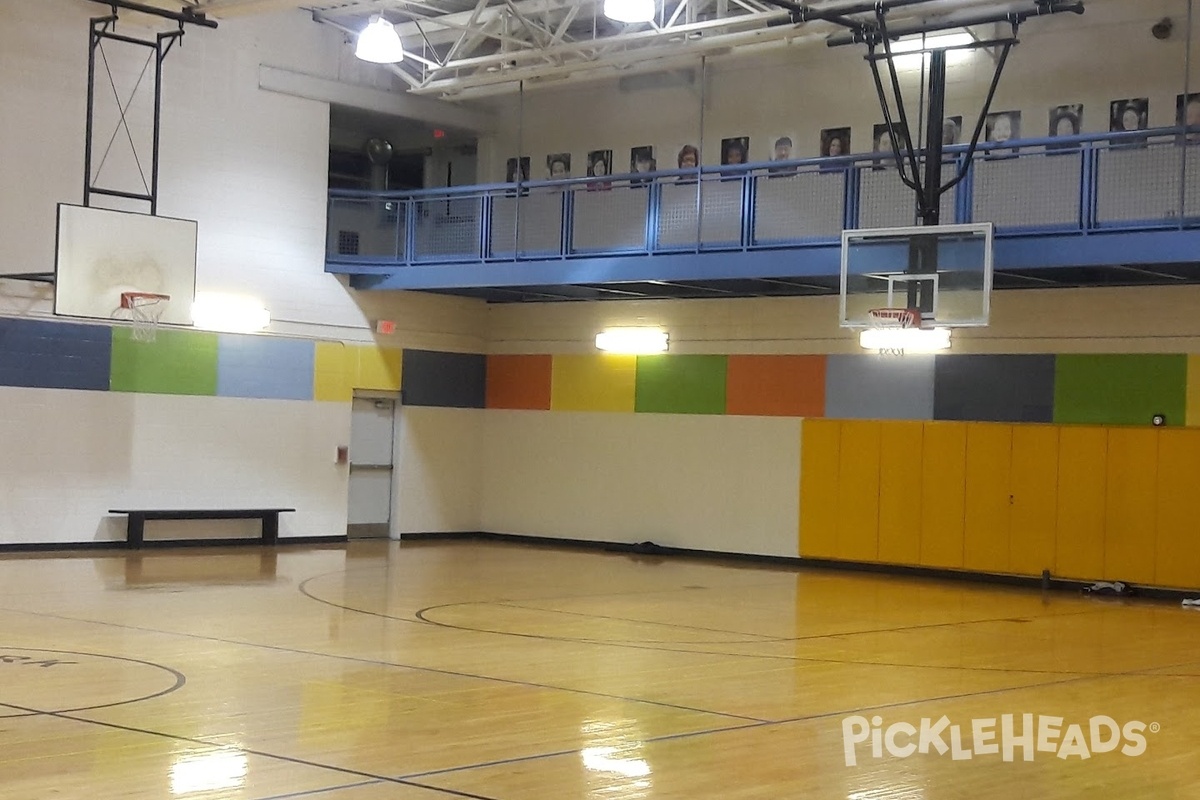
<point x="1068" y="185"/>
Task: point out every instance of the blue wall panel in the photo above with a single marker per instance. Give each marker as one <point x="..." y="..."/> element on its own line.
<point x="879" y="387"/>
<point x="265" y="367"/>
<point x="54" y="355"/>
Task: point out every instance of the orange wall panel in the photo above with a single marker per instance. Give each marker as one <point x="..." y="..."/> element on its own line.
<point x="777" y="386"/>
<point x="519" y="382"/>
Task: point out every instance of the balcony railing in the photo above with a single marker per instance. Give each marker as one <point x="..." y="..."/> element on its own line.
<point x="1069" y="185"/>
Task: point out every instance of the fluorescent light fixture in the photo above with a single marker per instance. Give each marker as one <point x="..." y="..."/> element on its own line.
<point x="229" y="313"/>
<point x="379" y="43"/>
<point x="629" y="10"/>
<point x="935" y="42"/>
<point x="633" y="341"/>
<point x="910" y="340"/>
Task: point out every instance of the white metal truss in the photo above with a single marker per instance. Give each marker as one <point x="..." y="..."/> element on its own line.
<point x="470" y="48"/>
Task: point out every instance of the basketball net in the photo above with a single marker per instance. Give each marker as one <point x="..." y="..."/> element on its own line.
<point x="145" y="310"/>
<point x="884" y="319"/>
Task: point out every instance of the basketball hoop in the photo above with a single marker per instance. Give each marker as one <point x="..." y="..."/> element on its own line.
<point x="893" y="319"/>
<point x="145" y="310"/>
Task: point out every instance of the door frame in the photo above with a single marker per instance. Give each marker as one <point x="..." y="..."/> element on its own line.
<point x="377" y="530"/>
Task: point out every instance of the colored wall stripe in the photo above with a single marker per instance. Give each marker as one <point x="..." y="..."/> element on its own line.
<point x="176" y="362"/>
<point x="448" y="380"/>
<point x="1193" y="391"/>
<point x="1126" y="389"/>
<point x="519" y="382"/>
<point x="776" y="386"/>
<point x="265" y="367"/>
<point x="994" y="388"/>
<point x="869" y="387"/>
<point x="691" y="384"/>
<point x="593" y="383"/>
<point x="49" y="355"/>
<point x="332" y="372"/>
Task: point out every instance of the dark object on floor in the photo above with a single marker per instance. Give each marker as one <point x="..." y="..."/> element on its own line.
<point x="649" y="549"/>
<point x="1110" y="589"/>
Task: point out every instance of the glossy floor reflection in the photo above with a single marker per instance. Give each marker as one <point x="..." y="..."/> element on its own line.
<point x="429" y="671"/>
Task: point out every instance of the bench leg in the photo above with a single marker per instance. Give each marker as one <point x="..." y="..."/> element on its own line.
<point x="270" y="528"/>
<point x="136" y="532"/>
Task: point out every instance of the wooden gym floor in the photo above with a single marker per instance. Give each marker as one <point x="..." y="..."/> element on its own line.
<point x="429" y="671"/>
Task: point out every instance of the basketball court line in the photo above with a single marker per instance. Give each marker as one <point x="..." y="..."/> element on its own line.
<point x="245" y="750"/>
<point x="773" y="657"/>
<point x="376" y="662"/>
<point x="675" y="625"/>
<point x="412" y="778"/>
<point x="315" y="792"/>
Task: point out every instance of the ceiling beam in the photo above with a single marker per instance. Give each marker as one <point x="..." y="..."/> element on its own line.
<point x="397" y="104"/>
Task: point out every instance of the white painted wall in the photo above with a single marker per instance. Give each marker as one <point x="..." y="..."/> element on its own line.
<point x="726" y="484"/>
<point x="439" y="474"/>
<point x="799" y="89"/>
<point x="250" y="166"/>
<point x="70" y="456"/>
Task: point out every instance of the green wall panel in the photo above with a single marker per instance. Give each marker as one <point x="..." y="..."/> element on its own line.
<point x="176" y="362"/>
<point x="681" y="384"/>
<point x="1120" y="389"/>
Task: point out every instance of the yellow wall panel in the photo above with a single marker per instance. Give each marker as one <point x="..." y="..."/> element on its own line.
<point x="1130" y="501"/>
<point x="1193" y="391"/>
<point x="900" y="492"/>
<point x="1177" y="544"/>
<point x="1082" y="480"/>
<point x="332" y="372"/>
<point x="1033" y="483"/>
<point x="943" y="467"/>
<point x="593" y="383"/>
<point x="819" y="456"/>
<point x="858" y="491"/>
<point x="987" y="504"/>
<point x="377" y="367"/>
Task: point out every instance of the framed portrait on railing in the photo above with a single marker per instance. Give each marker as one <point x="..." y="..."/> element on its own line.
<point x="1065" y="121"/>
<point x="735" y="150"/>
<point x="882" y="139"/>
<point x="510" y="170"/>
<point x="599" y="165"/>
<point x="1187" y="112"/>
<point x="1130" y="114"/>
<point x="558" y="166"/>
<point x="952" y="131"/>
<point x="641" y="159"/>
<point x="835" y="142"/>
<point x="782" y="151"/>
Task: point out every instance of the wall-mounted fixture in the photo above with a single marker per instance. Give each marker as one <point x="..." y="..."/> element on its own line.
<point x="905" y="340"/>
<point x="633" y="341"/>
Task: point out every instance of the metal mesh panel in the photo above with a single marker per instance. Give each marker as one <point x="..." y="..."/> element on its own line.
<point x="1035" y="190"/>
<point x="447" y="228"/>
<point x="1138" y="183"/>
<point x="721" y="200"/>
<point x="612" y="219"/>
<point x="1191" y="200"/>
<point x="539" y="224"/>
<point x="883" y="199"/>
<point x="800" y="206"/>
<point x="378" y="226"/>
<point x="885" y="202"/>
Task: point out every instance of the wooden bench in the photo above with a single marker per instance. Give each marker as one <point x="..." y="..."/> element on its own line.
<point x="136" y="531"/>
